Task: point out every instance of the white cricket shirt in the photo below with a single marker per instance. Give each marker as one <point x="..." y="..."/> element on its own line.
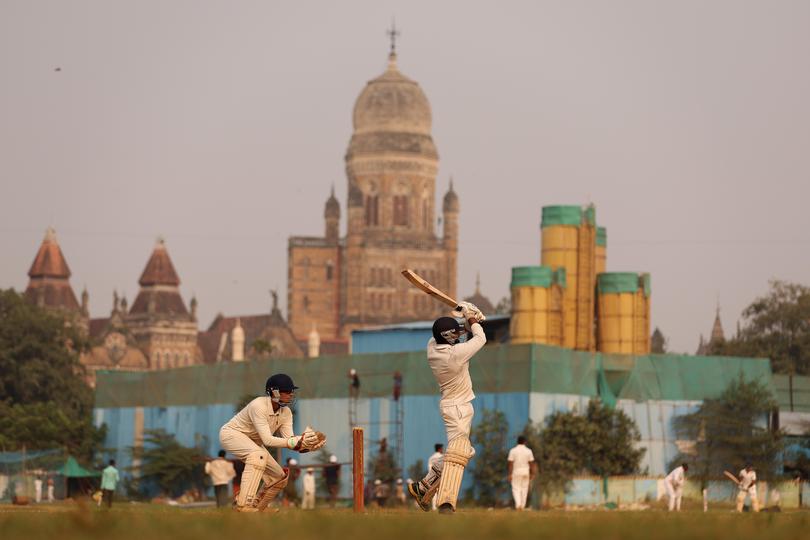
<point x="259" y="422"/>
<point x="747" y="479"/>
<point x="451" y="367"/>
<point x="521" y="456"/>
<point x="676" y="477"/>
<point x="220" y="470"/>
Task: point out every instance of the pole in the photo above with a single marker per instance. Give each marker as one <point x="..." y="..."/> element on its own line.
<point x="357" y="468"/>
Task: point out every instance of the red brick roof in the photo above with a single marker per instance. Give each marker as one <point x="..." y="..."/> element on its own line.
<point x="49" y="262"/>
<point x="159" y="269"/>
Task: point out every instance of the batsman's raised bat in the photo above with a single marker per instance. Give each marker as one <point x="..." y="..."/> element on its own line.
<point x="420" y="283"/>
<point x="731" y="477"/>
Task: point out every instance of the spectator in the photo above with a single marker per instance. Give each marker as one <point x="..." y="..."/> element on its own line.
<point x="221" y="472"/>
<point x="109" y="479"/>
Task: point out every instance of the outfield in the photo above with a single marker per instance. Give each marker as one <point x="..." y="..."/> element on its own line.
<point x="149" y="522"/>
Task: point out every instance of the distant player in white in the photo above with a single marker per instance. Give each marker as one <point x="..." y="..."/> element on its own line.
<point x="450" y="362"/>
<point x="747" y="487"/>
<point x="520" y="471"/>
<point x="252" y="429"/>
<point x="674" y="485"/>
<point x="308" y="501"/>
<point x="434" y="461"/>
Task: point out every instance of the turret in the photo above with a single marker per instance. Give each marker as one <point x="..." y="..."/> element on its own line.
<point x="238" y="342"/>
<point x="314" y="343"/>
<point x="450" y="209"/>
<point x="331" y="215"/>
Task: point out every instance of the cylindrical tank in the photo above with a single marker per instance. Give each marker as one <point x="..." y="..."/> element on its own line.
<point x="601" y="250"/>
<point x="536" y="305"/>
<point x="560" y="241"/>
<point x="623" y="313"/>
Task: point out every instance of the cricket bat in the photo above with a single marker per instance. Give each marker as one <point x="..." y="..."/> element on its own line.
<point x="732" y="477"/>
<point x="420" y="283"/>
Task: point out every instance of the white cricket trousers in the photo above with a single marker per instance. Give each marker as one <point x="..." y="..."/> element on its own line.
<point x="674" y="494"/>
<point x="520" y="490"/>
<point x="240" y="445"/>
<point x="457" y="420"/>
<point x="308" y="501"/>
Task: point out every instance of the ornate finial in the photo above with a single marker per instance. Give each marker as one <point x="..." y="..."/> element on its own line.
<point x="392" y="34"/>
<point x="160" y="241"/>
<point x="478" y="282"/>
<point x="451" y="183"/>
<point x="274" y="294"/>
<point x="50" y="234"/>
<point x="332" y="193"/>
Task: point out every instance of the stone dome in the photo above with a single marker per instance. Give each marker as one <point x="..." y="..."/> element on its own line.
<point x="392" y="102"/>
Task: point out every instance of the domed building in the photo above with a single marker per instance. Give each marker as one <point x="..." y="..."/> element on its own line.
<point x="338" y="283"/>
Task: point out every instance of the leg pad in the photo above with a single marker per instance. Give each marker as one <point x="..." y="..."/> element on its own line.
<point x="459" y="452"/>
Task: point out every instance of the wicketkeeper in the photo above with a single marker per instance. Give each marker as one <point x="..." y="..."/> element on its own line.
<point x="255" y="427"/>
<point x="449" y="359"/>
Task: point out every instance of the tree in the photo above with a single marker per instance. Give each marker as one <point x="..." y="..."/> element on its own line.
<point x="417" y="470"/>
<point x="775" y="326"/>
<point x="601" y="442"/>
<point x="169" y="464"/>
<point x="383" y="465"/>
<point x="488" y="467"/>
<point x="504" y="306"/>
<point x="44" y="400"/>
<point x="658" y="343"/>
<point x="730" y="432"/>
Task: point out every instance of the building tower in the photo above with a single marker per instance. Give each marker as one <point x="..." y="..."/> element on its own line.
<point x="391" y="165"/>
<point x="49" y="278"/>
<point x="159" y="321"/>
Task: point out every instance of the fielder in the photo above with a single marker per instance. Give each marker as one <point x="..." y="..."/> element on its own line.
<point x="520" y="468"/>
<point x="747" y="486"/>
<point x="450" y="362"/>
<point x="252" y="429"/>
<point x="433" y="461"/>
<point x="674" y="485"/>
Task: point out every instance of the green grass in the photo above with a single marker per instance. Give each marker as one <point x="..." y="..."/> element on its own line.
<point x="148" y="522"/>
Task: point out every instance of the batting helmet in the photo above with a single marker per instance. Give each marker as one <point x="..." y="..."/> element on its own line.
<point x="446" y="330"/>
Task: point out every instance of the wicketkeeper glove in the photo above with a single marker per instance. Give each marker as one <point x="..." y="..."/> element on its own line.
<point x="308" y="441"/>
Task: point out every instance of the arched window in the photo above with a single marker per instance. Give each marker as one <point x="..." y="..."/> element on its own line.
<point x="330" y="268"/>
<point x="401" y="210"/>
<point x="372" y="210"/>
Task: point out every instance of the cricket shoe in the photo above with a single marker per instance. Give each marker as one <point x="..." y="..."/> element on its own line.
<point x="417" y="491"/>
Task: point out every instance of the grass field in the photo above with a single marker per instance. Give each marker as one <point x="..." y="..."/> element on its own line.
<point x="147" y="522"/>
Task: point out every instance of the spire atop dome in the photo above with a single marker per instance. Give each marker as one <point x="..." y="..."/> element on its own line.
<point x="159" y="269"/>
<point x="49" y="285"/>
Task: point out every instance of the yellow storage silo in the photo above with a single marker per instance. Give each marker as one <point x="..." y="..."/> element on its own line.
<point x="623" y="313"/>
<point x="601" y="250"/>
<point x="536" y="305"/>
<point x="559" y="249"/>
<point x="569" y="237"/>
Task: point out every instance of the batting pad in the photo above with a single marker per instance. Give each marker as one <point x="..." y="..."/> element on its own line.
<point x="271" y="492"/>
<point x="459" y="452"/>
<point x="251" y="476"/>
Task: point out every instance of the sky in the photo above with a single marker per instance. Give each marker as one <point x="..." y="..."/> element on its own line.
<point x="221" y="126"/>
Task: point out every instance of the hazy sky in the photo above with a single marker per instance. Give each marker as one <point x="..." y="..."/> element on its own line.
<point x="222" y="126"/>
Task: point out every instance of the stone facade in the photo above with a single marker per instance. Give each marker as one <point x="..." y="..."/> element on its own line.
<point x="338" y="284"/>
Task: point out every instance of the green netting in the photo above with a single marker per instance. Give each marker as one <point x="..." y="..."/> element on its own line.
<point x="601" y="236"/>
<point x="537" y="276"/>
<point x="531" y="276"/>
<point x="496" y="369"/>
<point x="793" y="392"/>
<point x="561" y="215"/>
<point x="623" y="282"/>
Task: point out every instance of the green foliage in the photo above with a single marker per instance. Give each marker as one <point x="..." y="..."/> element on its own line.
<point x="776" y="326"/>
<point x="383" y="465"/>
<point x="417" y="470"/>
<point x="243" y="401"/>
<point x="602" y="442"/>
<point x="488" y="467"/>
<point x="731" y="432"/>
<point x="658" y="342"/>
<point x="504" y="306"/>
<point x="169" y="464"/>
<point x="44" y="401"/>
<point x="262" y="347"/>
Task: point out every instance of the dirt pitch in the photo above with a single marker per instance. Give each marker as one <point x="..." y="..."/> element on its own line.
<point x="152" y="522"/>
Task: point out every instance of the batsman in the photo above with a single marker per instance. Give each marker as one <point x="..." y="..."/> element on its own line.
<point x="266" y="422"/>
<point x="449" y="359"/>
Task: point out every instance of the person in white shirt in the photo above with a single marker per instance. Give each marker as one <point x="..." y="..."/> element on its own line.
<point x="449" y="359"/>
<point x="673" y="483"/>
<point x="221" y="472"/>
<point x="252" y="429"/>
<point x="434" y="461"/>
<point x="520" y="471"/>
<point x="747" y="487"/>
<point x="308" y="502"/>
<point x="38" y="489"/>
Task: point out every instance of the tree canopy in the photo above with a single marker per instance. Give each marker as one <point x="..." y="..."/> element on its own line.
<point x="730" y="432"/>
<point x="44" y="400"/>
<point x="775" y="326"/>
<point x="169" y="464"/>
<point x="489" y="463"/>
<point x="601" y="442"/>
